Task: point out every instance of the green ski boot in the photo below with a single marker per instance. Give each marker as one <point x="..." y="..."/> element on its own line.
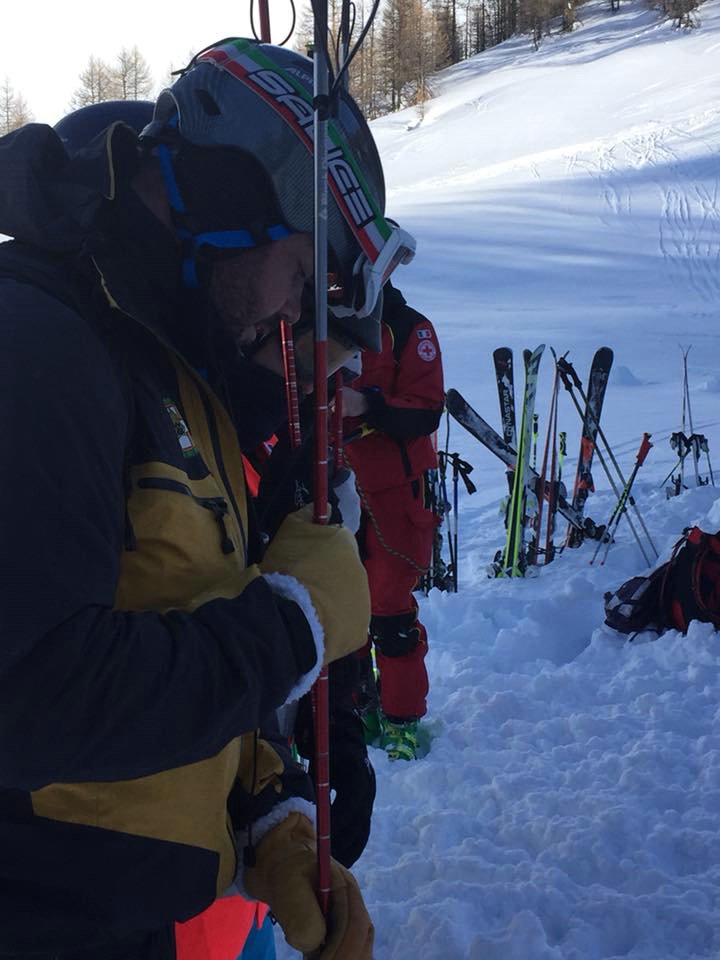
<point x="372" y="726"/>
<point x="399" y="739"/>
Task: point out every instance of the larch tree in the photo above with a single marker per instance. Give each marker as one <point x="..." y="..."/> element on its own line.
<point x="97" y="83"/>
<point x="14" y="111"/>
<point x="131" y="75"/>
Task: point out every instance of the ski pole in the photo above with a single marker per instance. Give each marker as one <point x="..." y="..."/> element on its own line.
<point x="536" y="429"/>
<point x="565" y="376"/>
<point x="444" y="493"/>
<point x="461" y="470"/>
<point x="321" y="69"/>
<point x="620" y="507"/>
<point x="455" y="479"/>
<point x="686" y="385"/>
<point x="571" y="375"/>
<point x="700" y="445"/>
<point x="705" y="447"/>
<point x="534" y="548"/>
<point x="443" y="458"/>
<point x="320" y="698"/>
<point x="554" y="481"/>
<point x="672" y="471"/>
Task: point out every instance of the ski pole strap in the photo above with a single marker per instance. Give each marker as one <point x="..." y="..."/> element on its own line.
<point x="568" y="373"/>
<point x="644" y="449"/>
<point x="463" y="469"/>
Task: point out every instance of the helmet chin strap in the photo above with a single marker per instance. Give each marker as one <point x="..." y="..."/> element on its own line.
<point x="241" y="239"/>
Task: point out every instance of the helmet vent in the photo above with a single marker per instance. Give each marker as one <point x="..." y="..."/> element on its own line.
<point x="207" y="103"/>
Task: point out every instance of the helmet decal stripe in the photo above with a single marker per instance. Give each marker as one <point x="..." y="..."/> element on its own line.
<point x="291" y="101"/>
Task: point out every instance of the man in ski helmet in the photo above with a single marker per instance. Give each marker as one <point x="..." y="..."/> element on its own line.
<point x="145" y="633"/>
<point x="392" y="411"/>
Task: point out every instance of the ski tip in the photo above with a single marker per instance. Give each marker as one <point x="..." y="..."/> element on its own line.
<point x="454" y="401"/>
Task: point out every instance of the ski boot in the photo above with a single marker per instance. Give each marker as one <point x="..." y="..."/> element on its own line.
<point x="367" y="700"/>
<point x="372" y="726"/>
<point x="399" y="738"/>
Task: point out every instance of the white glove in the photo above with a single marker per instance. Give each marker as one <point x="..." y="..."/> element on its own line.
<point x="349" y="503"/>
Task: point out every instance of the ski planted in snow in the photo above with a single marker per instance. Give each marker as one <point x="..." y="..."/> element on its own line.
<point x="597" y="384"/>
<point x="503" y="362"/>
<point x="461" y="411"/>
<point x="549" y="460"/>
<point x="513" y="558"/>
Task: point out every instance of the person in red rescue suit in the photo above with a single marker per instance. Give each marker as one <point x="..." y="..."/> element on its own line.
<point x="392" y="411"/>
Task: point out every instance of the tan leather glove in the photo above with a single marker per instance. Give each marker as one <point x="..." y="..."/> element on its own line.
<point x="326" y="562"/>
<point x="285" y="877"/>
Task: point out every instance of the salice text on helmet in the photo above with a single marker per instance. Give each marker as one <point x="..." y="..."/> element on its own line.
<point x="343" y="176"/>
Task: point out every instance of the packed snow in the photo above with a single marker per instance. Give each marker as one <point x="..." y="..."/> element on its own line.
<point x="569" y="806"/>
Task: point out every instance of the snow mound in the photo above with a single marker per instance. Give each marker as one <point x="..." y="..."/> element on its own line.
<point x="624" y="377"/>
<point x="711" y="384"/>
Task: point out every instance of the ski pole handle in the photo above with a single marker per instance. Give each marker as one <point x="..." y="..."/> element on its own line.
<point x="644" y="449"/>
<point x="567" y="373"/>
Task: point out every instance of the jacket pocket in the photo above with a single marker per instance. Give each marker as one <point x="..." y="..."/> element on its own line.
<point x="218" y="506"/>
<point x="186" y="547"/>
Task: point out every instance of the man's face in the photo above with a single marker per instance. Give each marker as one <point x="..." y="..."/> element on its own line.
<point x="259" y="288"/>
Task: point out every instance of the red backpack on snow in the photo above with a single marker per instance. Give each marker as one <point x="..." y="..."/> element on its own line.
<point x="685" y="588"/>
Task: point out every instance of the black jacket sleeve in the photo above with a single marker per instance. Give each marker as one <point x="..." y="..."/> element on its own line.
<point x="88" y="693"/>
<point x="403" y="423"/>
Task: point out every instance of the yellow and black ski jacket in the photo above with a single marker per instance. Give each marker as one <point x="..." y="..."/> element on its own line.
<point x="139" y="647"/>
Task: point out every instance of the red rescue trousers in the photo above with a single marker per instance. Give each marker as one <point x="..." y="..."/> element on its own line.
<point x="397" y="548"/>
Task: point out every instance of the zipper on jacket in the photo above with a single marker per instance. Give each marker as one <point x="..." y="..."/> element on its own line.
<point x="212" y="424"/>
<point x="217" y="505"/>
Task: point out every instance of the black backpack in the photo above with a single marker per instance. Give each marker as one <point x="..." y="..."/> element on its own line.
<point x="685" y="588"/>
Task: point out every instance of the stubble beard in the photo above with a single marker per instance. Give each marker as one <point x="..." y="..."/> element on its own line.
<point x="234" y="295"/>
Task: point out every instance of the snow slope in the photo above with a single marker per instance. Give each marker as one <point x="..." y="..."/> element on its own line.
<point x="570" y="804"/>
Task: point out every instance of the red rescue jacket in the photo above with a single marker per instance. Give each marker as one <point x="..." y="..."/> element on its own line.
<point x="392" y="443"/>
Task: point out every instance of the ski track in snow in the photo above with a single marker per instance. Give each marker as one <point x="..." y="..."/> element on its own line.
<point x="570" y="803"/>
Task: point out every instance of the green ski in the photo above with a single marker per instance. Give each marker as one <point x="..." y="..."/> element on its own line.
<point x="513" y="561"/>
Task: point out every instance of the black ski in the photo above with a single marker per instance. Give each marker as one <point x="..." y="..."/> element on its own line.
<point x="503" y="361"/>
<point x="460" y="410"/>
<point x="597" y="384"/>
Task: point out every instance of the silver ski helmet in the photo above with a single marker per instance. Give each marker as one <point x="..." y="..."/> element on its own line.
<point x="257" y="99"/>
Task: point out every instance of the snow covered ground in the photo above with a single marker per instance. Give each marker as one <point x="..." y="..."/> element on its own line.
<point x="570" y="805"/>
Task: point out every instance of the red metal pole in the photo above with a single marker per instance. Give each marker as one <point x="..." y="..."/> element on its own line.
<point x="320" y="692"/>
<point x="320" y="698"/>
<point x="291" y="388"/>
<point x="338" y="422"/>
<point x="264" y="21"/>
<point x="321" y="70"/>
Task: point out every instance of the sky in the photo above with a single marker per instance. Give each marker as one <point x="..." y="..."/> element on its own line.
<point x="65" y="35"/>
